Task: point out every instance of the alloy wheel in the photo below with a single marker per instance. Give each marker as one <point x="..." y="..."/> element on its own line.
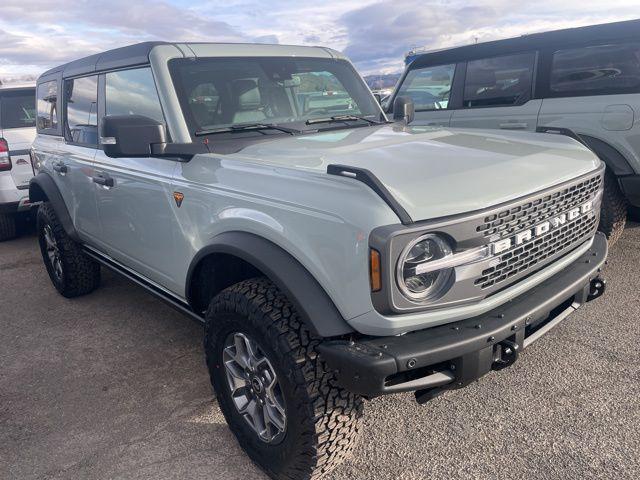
<point x="53" y="252"/>
<point x="254" y="386"/>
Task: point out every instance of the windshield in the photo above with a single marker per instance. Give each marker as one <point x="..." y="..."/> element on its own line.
<point x="18" y="108"/>
<point x="223" y="92"/>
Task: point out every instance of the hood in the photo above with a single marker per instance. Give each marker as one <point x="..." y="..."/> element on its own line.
<point x="436" y="172"/>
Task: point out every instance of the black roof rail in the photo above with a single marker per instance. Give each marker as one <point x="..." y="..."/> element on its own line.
<point x="368" y="178"/>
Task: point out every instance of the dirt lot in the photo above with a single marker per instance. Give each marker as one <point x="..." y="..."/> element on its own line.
<point x="114" y="386"/>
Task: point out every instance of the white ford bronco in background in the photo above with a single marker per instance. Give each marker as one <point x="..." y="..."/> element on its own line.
<point x="17" y="131"/>
<point x="332" y="255"/>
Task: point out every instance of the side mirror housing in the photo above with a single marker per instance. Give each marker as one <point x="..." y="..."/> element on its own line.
<point x="131" y="135"/>
<point x="378" y="98"/>
<point x="404" y="109"/>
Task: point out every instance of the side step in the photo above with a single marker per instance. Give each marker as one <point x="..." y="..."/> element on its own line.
<point x="149" y="286"/>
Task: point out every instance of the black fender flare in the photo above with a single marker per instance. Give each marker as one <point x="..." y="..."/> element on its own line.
<point x="308" y="297"/>
<point x="42" y="188"/>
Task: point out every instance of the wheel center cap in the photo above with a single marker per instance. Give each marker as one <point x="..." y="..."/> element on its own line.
<point x="256" y="383"/>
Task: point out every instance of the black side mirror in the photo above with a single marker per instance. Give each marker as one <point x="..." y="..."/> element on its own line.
<point x="403" y="109"/>
<point x="131" y="135"/>
<point x="378" y="98"/>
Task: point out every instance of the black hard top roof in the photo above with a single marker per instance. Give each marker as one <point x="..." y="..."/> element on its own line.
<point x="137" y="54"/>
<point x="553" y="39"/>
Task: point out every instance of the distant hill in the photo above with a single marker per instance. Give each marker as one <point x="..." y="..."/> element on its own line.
<point x="379" y="82"/>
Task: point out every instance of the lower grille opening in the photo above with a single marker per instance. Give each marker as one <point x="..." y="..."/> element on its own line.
<point x="407" y="376"/>
<point x="536" y="325"/>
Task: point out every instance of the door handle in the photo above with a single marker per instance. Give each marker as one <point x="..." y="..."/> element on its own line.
<point x="60" y="167"/>
<point x="103" y="180"/>
<point x="514" y="125"/>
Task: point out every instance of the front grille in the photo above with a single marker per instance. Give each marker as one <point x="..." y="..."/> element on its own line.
<point x="511" y="220"/>
<point x="528" y="255"/>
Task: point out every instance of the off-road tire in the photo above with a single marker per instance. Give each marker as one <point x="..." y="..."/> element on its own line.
<point x="81" y="274"/>
<point x="323" y="420"/>
<point x="7" y="227"/>
<point x="613" y="214"/>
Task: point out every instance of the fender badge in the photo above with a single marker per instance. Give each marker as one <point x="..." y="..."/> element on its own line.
<point x="178" y="197"/>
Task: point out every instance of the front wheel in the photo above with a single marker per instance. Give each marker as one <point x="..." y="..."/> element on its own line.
<point x="279" y="398"/>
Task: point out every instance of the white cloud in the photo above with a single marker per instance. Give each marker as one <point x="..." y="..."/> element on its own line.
<point x="38" y="34"/>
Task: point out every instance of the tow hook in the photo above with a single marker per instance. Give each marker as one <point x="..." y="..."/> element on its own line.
<point x="597" y="286"/>
<point x="506" y="354"/>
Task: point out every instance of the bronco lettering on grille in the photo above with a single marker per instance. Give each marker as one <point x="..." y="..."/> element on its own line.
<point x="540" y="229"/>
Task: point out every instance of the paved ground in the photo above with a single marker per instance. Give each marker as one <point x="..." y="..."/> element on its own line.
<point x="114" y="386"/>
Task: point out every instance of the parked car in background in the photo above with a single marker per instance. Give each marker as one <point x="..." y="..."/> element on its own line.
<point x="584" y="79"/>
<point x="17" y="131"/>
<point x="332" y="255"/>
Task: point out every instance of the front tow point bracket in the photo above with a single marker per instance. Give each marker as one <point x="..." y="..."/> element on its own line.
<point x="597" y="287"/>
<point x="507" y="353"/>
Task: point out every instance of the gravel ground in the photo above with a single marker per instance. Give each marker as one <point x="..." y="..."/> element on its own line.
<point x="114" y="386"/>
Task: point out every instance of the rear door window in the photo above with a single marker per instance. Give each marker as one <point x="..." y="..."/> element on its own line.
<point x="429" y="88"/>
<point x="596" y="70"/>
<point x="18" y="109"/>
<point x="47" y="101"/>
<point x="500" y="81"/>
<point x="81" y="102"/>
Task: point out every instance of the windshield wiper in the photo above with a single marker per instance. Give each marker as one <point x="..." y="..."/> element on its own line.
<point x="342" y="118"/>
<point x="247" y="127"/>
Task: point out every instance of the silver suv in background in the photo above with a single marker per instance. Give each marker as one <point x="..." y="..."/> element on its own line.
<point x="332" y="255"/>
<point x="17" y="131"/>
<point x="584" y="79"/>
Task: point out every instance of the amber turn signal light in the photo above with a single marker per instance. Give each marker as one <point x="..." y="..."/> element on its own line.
<point x="374" y="270"/>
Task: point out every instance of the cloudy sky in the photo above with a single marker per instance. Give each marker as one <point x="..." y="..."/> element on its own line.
<point x="38" y="34"/>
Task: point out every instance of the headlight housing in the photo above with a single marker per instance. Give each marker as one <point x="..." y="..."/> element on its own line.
<point x="416" y="280"/>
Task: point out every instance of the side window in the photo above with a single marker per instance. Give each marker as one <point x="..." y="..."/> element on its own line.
<point x="47" y="116"/>
<point x="132" y="92"/>
<point x="596" y="70"/>
<point x="17" y="109"/>
<point x="500" y="81"/>
<point x="429" y="88"/>
<point x="81" y="105"/>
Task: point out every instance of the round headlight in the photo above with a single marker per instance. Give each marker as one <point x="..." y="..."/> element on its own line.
<point x="415" y="280"/>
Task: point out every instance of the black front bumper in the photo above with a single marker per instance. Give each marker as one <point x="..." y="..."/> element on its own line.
<point x="453" y="355"/>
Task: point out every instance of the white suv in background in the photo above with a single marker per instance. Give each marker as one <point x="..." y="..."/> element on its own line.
<point x="17" y="131"/>
<point x="583" y="80"/>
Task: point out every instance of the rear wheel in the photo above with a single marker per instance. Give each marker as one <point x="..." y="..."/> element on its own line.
<point x="7" y="227"/>
<point x="613" y="214"/>
<point x="279" y="398"/>
<point x="70" y="270"/>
